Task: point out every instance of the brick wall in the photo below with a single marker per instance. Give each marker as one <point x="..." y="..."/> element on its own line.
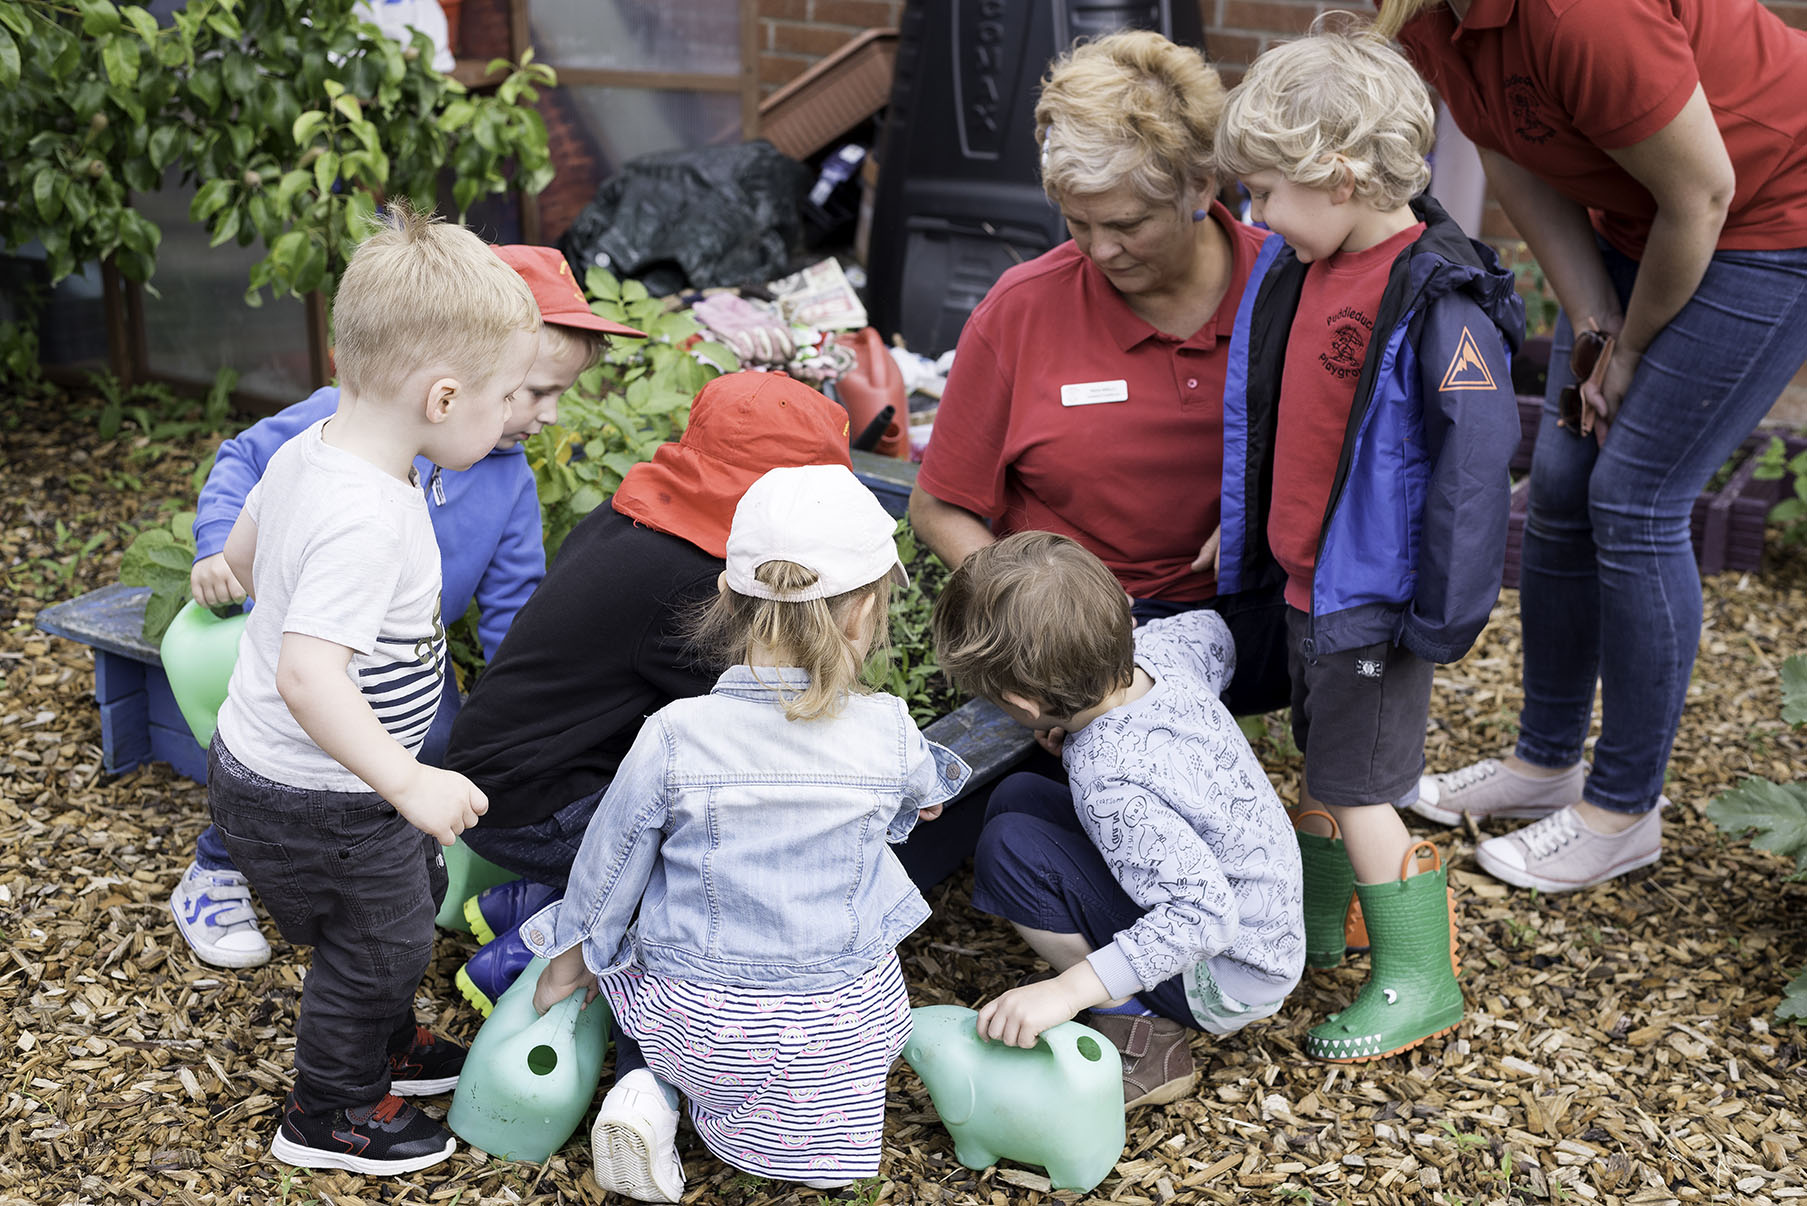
<point x="795" y="33"/>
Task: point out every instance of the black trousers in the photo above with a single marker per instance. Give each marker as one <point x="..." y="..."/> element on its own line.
<point x="343" y="873"/>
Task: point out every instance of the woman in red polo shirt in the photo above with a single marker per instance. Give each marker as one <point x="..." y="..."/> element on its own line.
<point x="1086" y="397"/>
<point x="1653" y="153"/>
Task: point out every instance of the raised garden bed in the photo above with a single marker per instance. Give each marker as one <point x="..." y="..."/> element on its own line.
<point x="1727" y="523"/>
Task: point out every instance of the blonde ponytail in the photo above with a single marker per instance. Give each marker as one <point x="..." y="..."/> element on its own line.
<point x="809" y="635"/>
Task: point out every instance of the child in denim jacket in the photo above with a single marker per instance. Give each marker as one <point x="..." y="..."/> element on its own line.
<point x="748" y="829"/>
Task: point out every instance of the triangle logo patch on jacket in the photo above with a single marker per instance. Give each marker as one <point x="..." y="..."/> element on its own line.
<point x="1467" y="370"/>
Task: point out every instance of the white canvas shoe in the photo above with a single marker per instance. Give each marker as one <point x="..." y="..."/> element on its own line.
<point x="1490" y="788"/>
<point x="1560" y="853"/>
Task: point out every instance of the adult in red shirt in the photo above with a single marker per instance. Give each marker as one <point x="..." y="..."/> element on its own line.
<point x="1653" y="153"/>
<point x="1086" y="396"/>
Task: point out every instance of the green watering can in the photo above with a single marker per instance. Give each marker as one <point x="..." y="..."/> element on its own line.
<point x="198" y="651"/>
<point x="1058" y="1104"/>
<point x="467" y="873"/>
<point x="529" y="1078"/>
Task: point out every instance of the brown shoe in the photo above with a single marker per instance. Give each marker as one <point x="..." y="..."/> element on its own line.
<point x="1157" y="1056"/>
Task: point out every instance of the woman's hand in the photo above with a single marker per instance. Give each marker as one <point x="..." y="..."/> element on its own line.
<point x="1604" y="400"/>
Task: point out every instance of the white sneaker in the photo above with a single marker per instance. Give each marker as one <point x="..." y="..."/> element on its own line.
<point x="213" y="911"/>
<point x="1490" y="788"/>
<point x="1560" y="853"/>
<point x="635" y="1141"/>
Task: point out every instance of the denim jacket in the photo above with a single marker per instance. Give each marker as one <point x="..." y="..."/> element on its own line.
<point x="754" y="848"/>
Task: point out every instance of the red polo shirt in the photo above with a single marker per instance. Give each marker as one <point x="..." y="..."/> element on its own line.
<point x="1554" y="84"/>
<point x="1066" y="412"/>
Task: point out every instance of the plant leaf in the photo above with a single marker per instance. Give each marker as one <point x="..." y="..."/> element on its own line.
<point x="1776" y="811"/>
<point x="1794" y="998"/>
<point x="1794" y="689"/>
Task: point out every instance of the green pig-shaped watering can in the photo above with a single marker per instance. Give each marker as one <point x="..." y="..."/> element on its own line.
<point x="198" y="651"/>
<point x="1058" y="1104"/>
<point x="530" y="1077"/>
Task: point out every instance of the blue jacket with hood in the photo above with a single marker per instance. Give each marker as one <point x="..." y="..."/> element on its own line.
<point x="486" y="519"/>
<point x="1414" y="533"/>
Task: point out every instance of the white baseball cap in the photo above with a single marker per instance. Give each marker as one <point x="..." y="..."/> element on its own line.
<point x="819" y="517"/>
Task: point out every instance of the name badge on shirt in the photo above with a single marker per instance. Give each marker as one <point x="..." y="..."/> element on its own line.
<point x="1091" y="393"/>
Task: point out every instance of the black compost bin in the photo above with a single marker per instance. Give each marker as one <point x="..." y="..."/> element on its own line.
<point x="958" y="197"/>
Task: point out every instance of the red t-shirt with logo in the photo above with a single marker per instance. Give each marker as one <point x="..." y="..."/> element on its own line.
<point x="1066" y="412"/>
<point x="1324" y="351"/>
<point x="1555" y="84"/>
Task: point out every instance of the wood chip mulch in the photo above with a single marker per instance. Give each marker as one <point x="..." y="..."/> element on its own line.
<point x="1620" y="1044"/>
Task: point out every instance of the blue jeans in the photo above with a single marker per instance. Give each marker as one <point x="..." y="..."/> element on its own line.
<point x="1037" y="868"/>
<point x="1609" y="588"/>
<point x="544" y="851"/>
<point x="210" y="847"/>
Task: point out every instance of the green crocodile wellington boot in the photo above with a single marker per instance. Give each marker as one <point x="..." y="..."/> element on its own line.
<point x="1329" y="887"/>
<point x="1411" y="993"/>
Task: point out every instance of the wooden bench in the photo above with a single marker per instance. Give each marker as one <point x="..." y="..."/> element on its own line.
<point x="139" y="720"/>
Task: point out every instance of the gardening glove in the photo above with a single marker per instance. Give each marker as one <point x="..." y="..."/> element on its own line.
<point x="754" y="333"/>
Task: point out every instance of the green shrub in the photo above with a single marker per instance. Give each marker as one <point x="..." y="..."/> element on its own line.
<point x="1775" y="814"/>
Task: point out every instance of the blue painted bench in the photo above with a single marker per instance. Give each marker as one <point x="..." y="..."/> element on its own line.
<point x="139" y="720"/>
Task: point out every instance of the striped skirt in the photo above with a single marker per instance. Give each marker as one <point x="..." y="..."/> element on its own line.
<point x="789" y="1087"/>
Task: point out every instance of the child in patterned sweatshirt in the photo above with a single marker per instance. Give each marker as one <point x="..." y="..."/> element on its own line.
<point x="1162" y="881"/>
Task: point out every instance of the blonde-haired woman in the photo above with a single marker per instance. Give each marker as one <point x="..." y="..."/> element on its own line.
<point x="1086" y="396"/>
<point x="1653" y="153"/>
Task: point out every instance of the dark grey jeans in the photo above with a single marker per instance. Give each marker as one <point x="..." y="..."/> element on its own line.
<point x="341" y="872"/>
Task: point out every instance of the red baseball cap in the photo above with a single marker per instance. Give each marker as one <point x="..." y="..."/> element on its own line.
<point x="562" y="301"/>
<point x="741" y="426"/>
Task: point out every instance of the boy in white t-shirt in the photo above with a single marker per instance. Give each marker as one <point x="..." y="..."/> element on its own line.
<point x="312" y="778"/>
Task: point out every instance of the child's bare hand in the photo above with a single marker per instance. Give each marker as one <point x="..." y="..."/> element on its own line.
<point x="1209" y="552"/>
<point x="563" y="975"/>
<point x="1051" y="740"/>
<point x="1020" y="1015"/>
<point x="213" y="584"/>
<point x="929" y="813"/>
<point x="442" y="803"/>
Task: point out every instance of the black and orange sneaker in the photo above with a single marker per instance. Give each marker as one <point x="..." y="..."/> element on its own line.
<point x="426" y="1064"/>
<point x="382" y="1139"/>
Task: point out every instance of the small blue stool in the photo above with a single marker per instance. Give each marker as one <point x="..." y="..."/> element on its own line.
<point x="139" y="719"/>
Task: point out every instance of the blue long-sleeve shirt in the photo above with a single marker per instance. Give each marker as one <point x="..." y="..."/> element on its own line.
<point x="486" y="519"/>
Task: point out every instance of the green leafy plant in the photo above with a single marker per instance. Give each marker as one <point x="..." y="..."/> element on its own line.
<point x="292" y="117"/>
<point x="1541" y="306"/>
<point x="620" y="411"/>
<point x="1775" y="814"/>
<point x="910" y="671"/>
<point x="160" y="558"/>
<point x="1791" y="513"/>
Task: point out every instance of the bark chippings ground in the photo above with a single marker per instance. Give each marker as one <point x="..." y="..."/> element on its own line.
<point x="1620" y="1044"/>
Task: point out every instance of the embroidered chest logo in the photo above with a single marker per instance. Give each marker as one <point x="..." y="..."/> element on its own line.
<point x="1466" y="368"/>
<point x="1349" y="330"/>
<point x="1522" y="102"/>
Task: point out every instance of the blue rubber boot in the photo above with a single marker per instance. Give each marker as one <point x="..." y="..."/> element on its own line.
<point x="504" y="907"/>
<point x="489" y="972"/>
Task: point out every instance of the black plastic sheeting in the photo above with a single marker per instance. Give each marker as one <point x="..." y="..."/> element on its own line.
<point x="694" y="219"/>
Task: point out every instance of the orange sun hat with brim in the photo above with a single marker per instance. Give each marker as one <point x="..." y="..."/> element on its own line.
<point x="561" y="298"/>
<point x="741" y="426"/>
